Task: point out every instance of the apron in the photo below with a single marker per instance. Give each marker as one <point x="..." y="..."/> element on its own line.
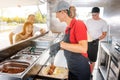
<point x="79" y="68"/>
<point x="93" y="51"/>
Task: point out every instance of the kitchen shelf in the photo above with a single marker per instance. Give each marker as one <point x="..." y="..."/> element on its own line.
<point x="103" y="71"/>
<point x="106" y="53"/>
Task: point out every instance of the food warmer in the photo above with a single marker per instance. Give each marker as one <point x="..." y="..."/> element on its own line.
<point x="30" y="59"/>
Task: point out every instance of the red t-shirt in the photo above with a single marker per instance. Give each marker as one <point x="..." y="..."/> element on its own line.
<point x="78" y="32"/>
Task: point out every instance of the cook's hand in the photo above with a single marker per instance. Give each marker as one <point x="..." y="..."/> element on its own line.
<point x="61" y="44"/>
<point x="54" y="49"/>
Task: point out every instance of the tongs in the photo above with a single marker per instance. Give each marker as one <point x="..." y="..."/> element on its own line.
<point x="52" y="66"/>
<point x="52" y="58"/>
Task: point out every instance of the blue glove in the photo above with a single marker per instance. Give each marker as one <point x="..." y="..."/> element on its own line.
<point x="54" y="49"/>
<point x="66" y="38"/>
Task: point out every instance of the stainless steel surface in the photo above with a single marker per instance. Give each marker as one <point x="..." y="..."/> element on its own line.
<point x="117" y="47"/>
<point x="60" y="73"/>
<point x="114" y="70"/>
<point x="42" y="44"/>
<point x="27" y="51"/>
<point x="13" y="49"/>
<point x="30" y="59"/>
<point x="32" y="50"/>
<point x="47" y="40"/>
<point x="112" y="61"/>
<point x="11" y="54"/>
<point x="13" y="67"/>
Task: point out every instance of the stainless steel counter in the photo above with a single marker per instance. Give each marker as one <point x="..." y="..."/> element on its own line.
<point x="26" y="48"/>
<point x="109" y="60"/>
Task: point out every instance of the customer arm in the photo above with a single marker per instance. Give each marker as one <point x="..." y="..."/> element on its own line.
<point x="11" y="37"/>
<point x="103" y="35"/>
<point x="81" y="47"/>
<point x="18" y="38"/>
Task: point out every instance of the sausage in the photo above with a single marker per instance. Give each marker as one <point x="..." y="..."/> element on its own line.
<point x="51" y="70"/>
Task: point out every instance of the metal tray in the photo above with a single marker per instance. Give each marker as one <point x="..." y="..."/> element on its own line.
<point x="13" y="67"/>
<point x="32" y="50"/>
<point x="24" y="58"/>
<point x="28" y="61"/>
<point x="59" y="72"/>
<point x="42" y="43"/>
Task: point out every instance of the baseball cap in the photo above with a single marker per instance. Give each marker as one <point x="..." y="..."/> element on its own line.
<point x="95" y="10"/>
<point x="62" y="5"/>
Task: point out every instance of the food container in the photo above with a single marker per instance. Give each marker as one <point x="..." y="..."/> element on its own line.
<point x="32" y="50"/>
<point x="59" y="73"/>
<point x="42" y="43"/>
<point x="13" y="67"/>
<point x="16" y="69"/>
<point x="24" y="58"/>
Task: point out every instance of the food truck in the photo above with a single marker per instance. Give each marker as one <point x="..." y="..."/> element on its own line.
<point x="30" y="59"/>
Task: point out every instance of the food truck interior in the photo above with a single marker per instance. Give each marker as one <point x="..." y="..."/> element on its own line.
<point x="30" y="60"/>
